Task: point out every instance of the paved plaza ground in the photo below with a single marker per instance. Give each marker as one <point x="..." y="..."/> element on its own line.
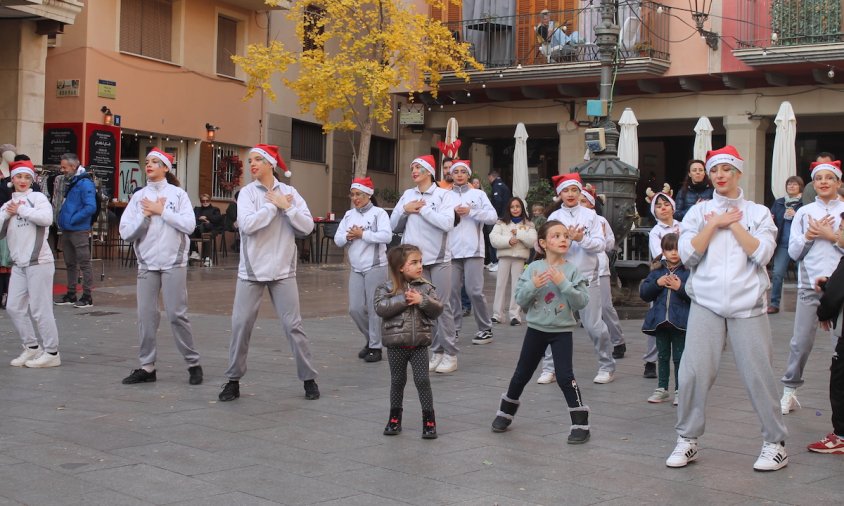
<point x="75" y="435"/>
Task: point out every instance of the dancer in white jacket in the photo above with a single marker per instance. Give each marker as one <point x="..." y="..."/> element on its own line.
<point x="24" y="223"/>
<point x="365" y="228"/>
<point x="158" y="221"/>
<point x="727" y="243"/>
<point x="813" y="245"/>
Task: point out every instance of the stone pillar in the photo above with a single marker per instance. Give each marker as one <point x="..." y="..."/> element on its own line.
<point x="571" y="148"/>
<point x="748" y="136"/>
<point x="23" y="56"/>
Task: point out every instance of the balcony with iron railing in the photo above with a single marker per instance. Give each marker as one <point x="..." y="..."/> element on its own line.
<point x="565" y="44"/>
<point x="774" y="32"/>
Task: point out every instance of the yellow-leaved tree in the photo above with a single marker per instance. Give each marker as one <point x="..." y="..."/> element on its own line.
<point x="355" y="54"/>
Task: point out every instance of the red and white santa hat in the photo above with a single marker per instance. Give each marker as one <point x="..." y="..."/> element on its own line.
<point x="563" y="181"/>
<point x="661" y="195"/>
<point x="588" y="193"/>
<point x="727" y="154"/>
<point x="363" y="184"/>
<point x="461" y="163"/>
<point x="427" y="163"/>
<point x="270" y="153"/>
<point x="834" y="167"/>
<point x="166" y="158"/>
<point x="22" y="167"/>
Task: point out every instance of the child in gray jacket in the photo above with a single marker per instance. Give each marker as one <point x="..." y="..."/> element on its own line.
<point x="409" y="307"/>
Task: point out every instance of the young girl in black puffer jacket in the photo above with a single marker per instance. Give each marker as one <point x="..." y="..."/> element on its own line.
<point x="408" y="306"/>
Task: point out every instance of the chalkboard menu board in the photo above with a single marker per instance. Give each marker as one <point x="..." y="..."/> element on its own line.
<point x="60" y="138"/>
<point x="102" y="155"/>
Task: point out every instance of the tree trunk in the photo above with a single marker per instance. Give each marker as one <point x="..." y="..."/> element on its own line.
<point x="363" y="148"/>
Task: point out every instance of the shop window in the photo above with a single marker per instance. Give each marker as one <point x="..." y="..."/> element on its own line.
<point x="382" y="155"/>
<point x="307" y="142"/>
<point x="227" y="29"/>
<point x="146" y="28"/>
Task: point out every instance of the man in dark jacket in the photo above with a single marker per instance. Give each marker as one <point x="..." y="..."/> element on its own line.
<point x="74" y="221"/>
<point x="500" y="199"/>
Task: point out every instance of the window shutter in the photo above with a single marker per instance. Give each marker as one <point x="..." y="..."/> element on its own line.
<point x="226" y="45"/>
<point x="146" y="28"/>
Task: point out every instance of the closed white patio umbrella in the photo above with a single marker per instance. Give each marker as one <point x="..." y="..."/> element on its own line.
<point x="703" y="138"/>
<point x="520" y="163"/>
<point x="784" y="160"/>
<point x="628" y="140"/>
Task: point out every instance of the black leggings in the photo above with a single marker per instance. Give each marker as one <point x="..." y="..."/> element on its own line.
<point x="533" y="348"/>
<point x="418" y="358"/>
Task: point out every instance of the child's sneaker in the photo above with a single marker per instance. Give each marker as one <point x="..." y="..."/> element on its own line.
<point x="482" y="337"/>
<point x="830" y="444"/>
<point x="789" y="401"/>
<point x="684" y="452"/>
<point x="773" y="457"/>
<point x="546" y="378"/>
<point x="28" y="354"/>
<point x="604" y="377"/>
<point x="659" y="395"/>
<point x="436" y="358"/>
<point x="44" y="360"/>
<point x="447" y="364"/>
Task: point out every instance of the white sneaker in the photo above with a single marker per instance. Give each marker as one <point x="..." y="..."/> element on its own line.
<point x="684" y="452"/>
<point x="436" y="358"/>
<point x="28" y="354"/>
<point x="659" y="395"/>
<point x="447" y="364"/>
<point x="604" y="377"/>
<point x="789" y="401"/>
<point x="493" y="267"/>
<point x="194" y="255"/>
<point x="546" y="377"/>
<point x="773" y="457"/>
<point x="44" y="360"/>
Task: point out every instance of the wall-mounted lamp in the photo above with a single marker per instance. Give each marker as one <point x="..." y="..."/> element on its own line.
<point x="108" y="117"/>
<point x="210" y="131"/>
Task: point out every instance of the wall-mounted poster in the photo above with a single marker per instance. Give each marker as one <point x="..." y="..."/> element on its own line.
<point x="102" y="155"/>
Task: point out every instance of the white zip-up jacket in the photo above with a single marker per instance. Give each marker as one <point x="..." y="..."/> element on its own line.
<point x="583" y="254"/>
<point x="268" y="234"/>
<point x="161" y="242"/>
<point x="817" y="258"/>
<point x="428" y="230"/>
<point x="467" y="239"/>
<point x="26" y="233"/>
<point x="724" y="279"/>
<point x="370" y="250"/>
<point x="660" y="230"/>
<point x="501" y="234"/>
<point x="609" y="241"/>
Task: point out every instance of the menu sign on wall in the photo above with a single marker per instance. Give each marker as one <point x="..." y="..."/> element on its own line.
<point x="60" y="138"/>
<point x="103" y="155"/>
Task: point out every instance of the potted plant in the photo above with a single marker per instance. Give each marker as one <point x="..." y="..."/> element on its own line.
<point x="644" y="48"/>
<point x="386" y="197"/>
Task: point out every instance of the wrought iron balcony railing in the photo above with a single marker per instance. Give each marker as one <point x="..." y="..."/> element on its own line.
<point x="566" y="37"/>
<point x="783" y="23"/>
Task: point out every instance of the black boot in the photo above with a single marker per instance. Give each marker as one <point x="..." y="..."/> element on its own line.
<point x="650" y="370"/>
<point x="579" y="425"/>
<point x="505" y="414"/>
<point x="429" y="425"/>
<point x="619" y="350"/>
<point x="394" y="424"/>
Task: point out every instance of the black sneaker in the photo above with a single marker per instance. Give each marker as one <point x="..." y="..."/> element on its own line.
<point x="363" y="352"/>
<point x="311" y="390"/>
<point x="139" y="376"/>
<point x="84" y="301"/>
<point x="231" y="391"/>
<point x="514" y="322"/>
<point x="650" y="370"/>
<point x="467" y="311"/>
<point x="67" y="299"/>
<point x="482" y="337"/>
<point x="619" y="350"/>
<point x="374" y="355"/>
<point x="195" y="374"/>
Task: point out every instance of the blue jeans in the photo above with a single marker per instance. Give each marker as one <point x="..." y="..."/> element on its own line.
<point x="781" y="261"/>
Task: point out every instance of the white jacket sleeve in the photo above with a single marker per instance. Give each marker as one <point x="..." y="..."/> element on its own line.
<point x="443" y="217"/>
<point x="342" y="230"/>
<point x="764" y="229"/>
<point x="798" y="246"/>
<point x="384" y="232"/>
<point x="299" y="214"/>
<point x="486" y="213"/>
<point x="594" y="242"/>
<point x="499" y="238"/>
<point x="252" y="218"/>
<point x="689" y="229"/>
<point x="133" y="223"/>
<point x="399" y="218"/>
<point x="654" y="242"/>
<point x="183" y="218"/>
<point x="527" y="236"/>
<point x="41" y="214"/>
<point x="4" y="221"/>
<point x="609" y="236"/>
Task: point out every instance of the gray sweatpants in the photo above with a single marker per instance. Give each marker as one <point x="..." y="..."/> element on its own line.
<point x="592" y="318"/>
<point x="172" y="284"/>
<point x="803" y="339"/>
<point x="362" y="287"/>
<point x="444" y="339"/>
<point x="609" y="314"/>
<point x="76" y="249"/>
<point x="469" y="272"/>
<point x="31" y="295"/>
<point x="750" y="340"/>
<point x="284" y="294"/>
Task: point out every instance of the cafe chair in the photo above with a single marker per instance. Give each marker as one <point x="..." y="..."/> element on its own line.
<point x="327" y="239"/>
